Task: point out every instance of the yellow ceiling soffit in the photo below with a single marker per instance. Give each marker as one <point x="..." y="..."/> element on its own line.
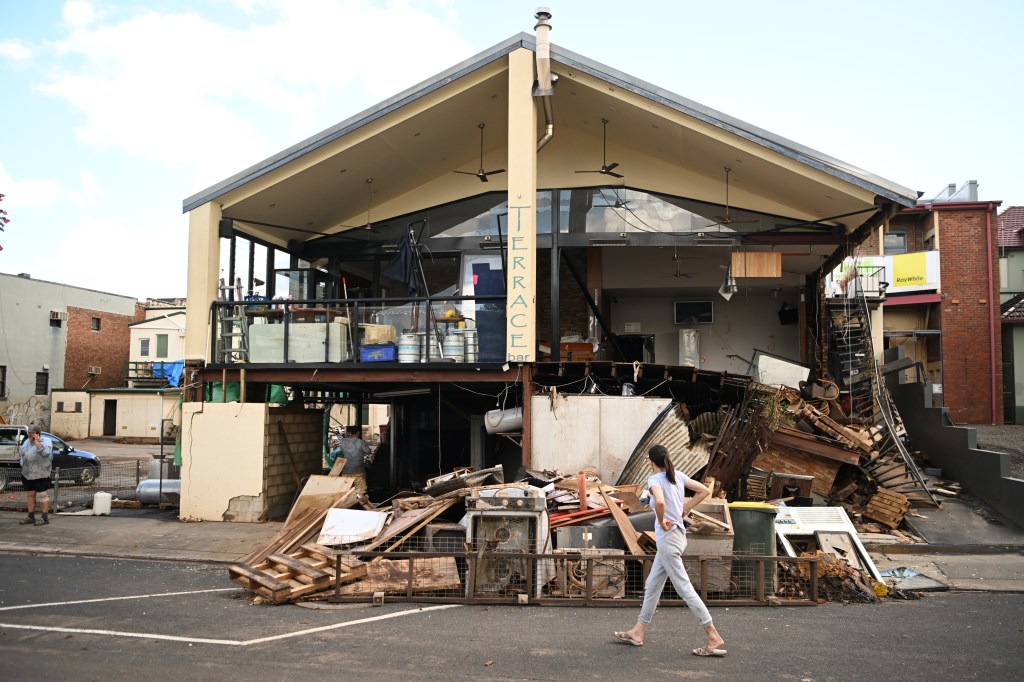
<point x="716" y="133"/>
<point x="363" y="133"/>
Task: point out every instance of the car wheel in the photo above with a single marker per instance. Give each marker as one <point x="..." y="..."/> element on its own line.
<point x="88" y="476"/>
<point x="4" y="477"/>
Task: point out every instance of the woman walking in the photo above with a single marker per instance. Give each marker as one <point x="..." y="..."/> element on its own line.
<point x="670" y="507"/>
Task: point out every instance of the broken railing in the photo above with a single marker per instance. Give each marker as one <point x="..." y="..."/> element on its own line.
<point x="598" y="577"/>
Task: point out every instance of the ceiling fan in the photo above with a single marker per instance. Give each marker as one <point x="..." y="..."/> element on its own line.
<point x="481" y="174"/>
<point x="727" y="219"/>
<point x="606" y="168"/>
<point x="676" y="258"/>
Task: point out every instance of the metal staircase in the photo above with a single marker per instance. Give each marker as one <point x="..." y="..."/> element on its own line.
<point x="853" y="362"/>
<point x="232" y="326"/>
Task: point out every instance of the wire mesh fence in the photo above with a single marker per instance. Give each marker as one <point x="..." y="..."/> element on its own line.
<point x="75" y="487"/>
<point x="444" y="569"/>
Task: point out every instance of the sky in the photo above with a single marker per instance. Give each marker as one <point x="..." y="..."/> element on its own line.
<point x="114" y="112"/>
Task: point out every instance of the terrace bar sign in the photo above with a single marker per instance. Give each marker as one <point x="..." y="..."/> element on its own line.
<point x="521" y="307"/>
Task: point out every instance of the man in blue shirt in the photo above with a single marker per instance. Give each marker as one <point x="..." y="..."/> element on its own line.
<point x="36" y="462"/>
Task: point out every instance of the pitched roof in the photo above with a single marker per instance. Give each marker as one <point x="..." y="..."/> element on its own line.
<point x="1011" y="228"/>
<point x="1013" y="309"/>
<point x="343" y="138"/>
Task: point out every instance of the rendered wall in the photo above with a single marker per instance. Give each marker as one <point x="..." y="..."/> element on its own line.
<point x="222" y="457"/>
<point x="742" y="324"/>
<point x="572" y="433"/>
<point x="67" y="423"/>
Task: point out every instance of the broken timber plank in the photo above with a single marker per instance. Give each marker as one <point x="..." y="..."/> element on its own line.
<point x="282" y="578"/>
<point x="629" y="534"/>
<point x="392" y="577"/>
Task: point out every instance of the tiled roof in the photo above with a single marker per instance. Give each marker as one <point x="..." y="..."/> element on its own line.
<point x="1013" y="309"/>
<point x="1011" y="228"/>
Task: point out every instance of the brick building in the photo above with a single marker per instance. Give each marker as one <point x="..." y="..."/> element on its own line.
<point x="941" y="260"/>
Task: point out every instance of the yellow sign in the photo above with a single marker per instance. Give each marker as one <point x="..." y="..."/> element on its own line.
<point x="910" y="269"/>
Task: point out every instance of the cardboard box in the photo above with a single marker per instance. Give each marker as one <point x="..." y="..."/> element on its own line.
<point x="371" y="334"/>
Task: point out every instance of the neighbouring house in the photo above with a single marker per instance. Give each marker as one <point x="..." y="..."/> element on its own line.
<point x="58" y="336"/>
<point x="524" y="259"/>
<point x="157" y="349"/>
<point x="145" y="408"/>
<point x="1011" y="296"/>
<point x="939" y="261"/>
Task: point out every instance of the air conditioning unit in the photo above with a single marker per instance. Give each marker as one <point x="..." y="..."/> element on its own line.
<point x="58" y="315"/>
<point x="94" y="370"/>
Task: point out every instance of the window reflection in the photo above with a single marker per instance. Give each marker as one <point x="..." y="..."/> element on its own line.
<point x="593" y="210"/>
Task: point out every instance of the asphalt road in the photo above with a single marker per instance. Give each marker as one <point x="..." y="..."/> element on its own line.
<point x="174" y="620"/>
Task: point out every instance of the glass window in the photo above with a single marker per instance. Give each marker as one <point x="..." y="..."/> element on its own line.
<point x="60" y="406"/>
<point x="161" y="345"/>
<point x="42" y="383"/>
<point x="55" y="322"/>
<point x="95" y="324"/>
<point x="3" y="381"/>
<point x="144" y="348"/>
<point x="78" y="407"/>
<point x="895" y="241"/>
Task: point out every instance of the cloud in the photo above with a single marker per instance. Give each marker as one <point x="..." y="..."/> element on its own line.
<point x="31" y="192"/>
<point x="180" y="88"/>
<point x="110" y="250"/>
<point x="15" y="50"/>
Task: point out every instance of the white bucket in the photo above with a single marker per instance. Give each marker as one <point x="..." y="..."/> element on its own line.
<point x="504" y="421"/>
<point x="454" y="347"/>
<point x="160" y="468"/>
<point x="409" y="347"/>
<point x="101" y="504"/>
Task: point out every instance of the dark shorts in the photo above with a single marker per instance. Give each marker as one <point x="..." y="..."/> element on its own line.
<point x="39" y="485"/>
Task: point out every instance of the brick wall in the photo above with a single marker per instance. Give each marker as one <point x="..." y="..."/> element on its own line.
<point x="106" y="348"/>
<point x="967" y="314"/>
<point x="302" y="442"/>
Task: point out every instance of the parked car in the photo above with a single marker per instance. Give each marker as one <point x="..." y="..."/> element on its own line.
<point x="85" y="466"/>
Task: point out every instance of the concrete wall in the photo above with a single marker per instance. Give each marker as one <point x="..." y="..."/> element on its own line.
<point x="983" y="473"/>
<point x="237" y="465"/>
<point x="222" y="458"/>
<point x="572" y="433"/>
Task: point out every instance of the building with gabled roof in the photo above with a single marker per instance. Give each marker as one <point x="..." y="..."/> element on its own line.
<point x="525" y="226"/>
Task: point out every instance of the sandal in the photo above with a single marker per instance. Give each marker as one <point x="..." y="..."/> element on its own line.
<point x="624" y="637"/>
<point x="706" y="651"/>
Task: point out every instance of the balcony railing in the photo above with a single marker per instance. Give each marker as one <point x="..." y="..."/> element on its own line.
<point x="426" y="329"/>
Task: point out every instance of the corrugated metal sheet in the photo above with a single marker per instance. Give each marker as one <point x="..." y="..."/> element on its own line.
<point x="668" y="429"/>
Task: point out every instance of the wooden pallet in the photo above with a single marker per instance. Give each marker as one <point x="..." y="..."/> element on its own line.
<point x="888" y="507"/>
<point x="282" y="578"/>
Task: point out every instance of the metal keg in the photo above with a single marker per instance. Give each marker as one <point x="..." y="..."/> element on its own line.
<point x="409" y="347"/>
<point x="454" y="347"/>
<point x="472" y="354"/>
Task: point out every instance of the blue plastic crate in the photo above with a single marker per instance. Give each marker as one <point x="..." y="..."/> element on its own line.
<point x="383" y="352"/>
